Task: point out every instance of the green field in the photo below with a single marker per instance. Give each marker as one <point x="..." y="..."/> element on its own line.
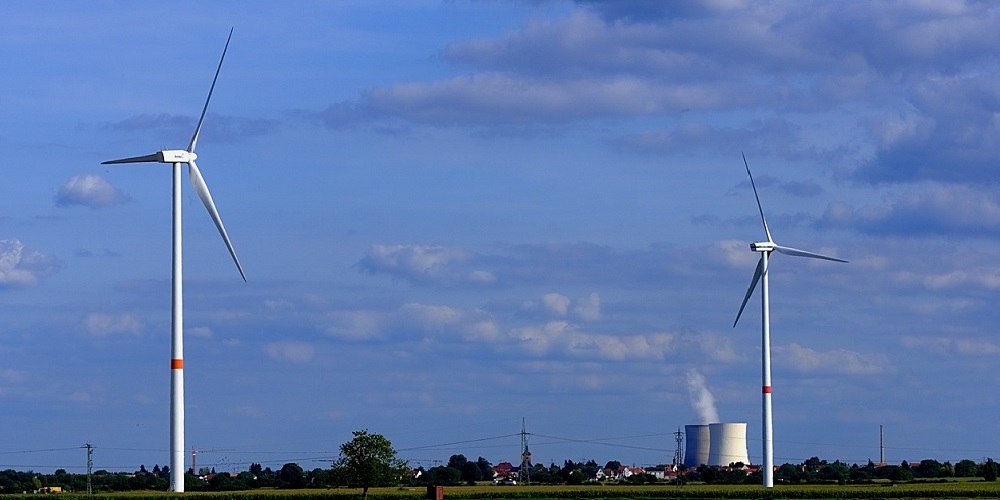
<point x="954" y="489"/>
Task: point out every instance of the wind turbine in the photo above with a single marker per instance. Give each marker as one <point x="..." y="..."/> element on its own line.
<point x="177" y="157"/>
<point x="765" y="248"/>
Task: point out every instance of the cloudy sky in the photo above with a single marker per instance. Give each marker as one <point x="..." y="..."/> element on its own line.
<point x="455" y="215"/>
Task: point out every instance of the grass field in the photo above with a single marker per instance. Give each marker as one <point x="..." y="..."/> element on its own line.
<point x="609" y="492"/>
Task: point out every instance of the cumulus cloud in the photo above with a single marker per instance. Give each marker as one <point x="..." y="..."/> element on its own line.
<point x="448" y="325"/>
<point x="107" y="325"/>
<point x="425" y="264"/>
<point x="22" y="267"/>
<point x="841" y="361"/>
<point x="588" y="308"/>
<point x="290" y="352"/>
<point x="556" y="303"/>
<point x="89" y="191"/>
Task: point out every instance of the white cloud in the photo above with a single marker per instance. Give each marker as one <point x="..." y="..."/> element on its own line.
<point x="589" y="308"/>
<point x="291" y="352"/>
<point x="425" y="264"/>
<point x="106" y="325"/>
<point x="841" y="361"/>
<point x="555" y="303"/>
<point x="21" y="267"/>
<point x="89" y="191"/>
<point x="199" y="331"/>
<point x="948" y="345"/>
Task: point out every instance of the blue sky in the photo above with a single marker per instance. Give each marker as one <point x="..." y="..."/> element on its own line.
<point x="455" y="215"/>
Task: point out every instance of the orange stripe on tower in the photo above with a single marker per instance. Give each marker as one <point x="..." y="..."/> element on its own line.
<point x="176" y="364"/>
<point x="766" y="389"/>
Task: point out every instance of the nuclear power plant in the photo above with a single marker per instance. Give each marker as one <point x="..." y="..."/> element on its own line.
<point x="717" y="444"/>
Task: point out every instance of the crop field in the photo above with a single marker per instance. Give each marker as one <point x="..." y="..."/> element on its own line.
<point x="970" y="489"/>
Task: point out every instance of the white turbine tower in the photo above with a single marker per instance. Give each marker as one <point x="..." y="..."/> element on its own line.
<point x="177" y="157"/>
<point x="765" y="248"/>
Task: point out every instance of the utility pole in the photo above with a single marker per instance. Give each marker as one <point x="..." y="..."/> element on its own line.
<point x="90" y="468"/>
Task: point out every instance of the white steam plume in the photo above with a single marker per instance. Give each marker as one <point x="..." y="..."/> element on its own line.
<point x="701" y="398"/>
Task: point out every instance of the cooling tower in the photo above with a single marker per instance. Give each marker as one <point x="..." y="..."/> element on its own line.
<point x="698" y="445"/>
<point x="728" y="444"/>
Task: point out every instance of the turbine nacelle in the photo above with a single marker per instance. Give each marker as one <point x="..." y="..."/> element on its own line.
<point x="763" y="246"/>
<point x="177" y="156"/>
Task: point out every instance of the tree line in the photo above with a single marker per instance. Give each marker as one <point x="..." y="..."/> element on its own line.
<point x="369" y="460"/>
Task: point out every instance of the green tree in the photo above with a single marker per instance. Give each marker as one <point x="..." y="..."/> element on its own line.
<point x="966" y="468"/>
<point x="441" y="476"/>
<point x="457" y="461"/>
<point x="576" y="477"/>
<point x="471" y="473"/>
<point x="485" y="467"/>
<point x="291" y="476"/>
<point x="901" y="473"/>
<point x="990" y="470"/>
<point x="369" y="460"/>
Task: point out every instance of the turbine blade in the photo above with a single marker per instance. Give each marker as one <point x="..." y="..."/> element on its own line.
<point x="206" y="197"/>
<point x="753" y="284"/>
<point x="754" y="186"/>
<point x="197" y="130"/>
<point x="155" y="157"/>
<point x="802" y="253"/>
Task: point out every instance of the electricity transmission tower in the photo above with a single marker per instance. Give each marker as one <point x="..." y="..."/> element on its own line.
<point x="524" y="472"/>
<point x="90" y="468"/>
<point x="678" y="454"/>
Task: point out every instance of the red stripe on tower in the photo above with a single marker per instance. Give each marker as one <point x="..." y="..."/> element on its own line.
<point x="766" y="389"/>
<point x="176" y="364"/>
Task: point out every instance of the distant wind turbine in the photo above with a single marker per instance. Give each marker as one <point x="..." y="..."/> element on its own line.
<point x="177" y="157"/>
<point x="765" y="248"/>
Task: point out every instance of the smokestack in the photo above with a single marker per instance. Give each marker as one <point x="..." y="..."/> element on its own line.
<point x="881" y="445"/>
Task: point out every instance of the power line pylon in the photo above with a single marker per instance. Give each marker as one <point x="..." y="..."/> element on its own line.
<point x="678" y="454"/>
<point x="524" y="472"/>
<point x="90" y="468"/>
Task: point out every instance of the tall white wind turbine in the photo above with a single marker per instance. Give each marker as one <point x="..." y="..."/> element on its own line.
<point x="177" y="157"/>
<point x="765" y="248"/>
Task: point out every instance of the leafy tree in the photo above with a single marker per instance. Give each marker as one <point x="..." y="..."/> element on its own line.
<point x="291" y="476"/>
<point x="966" y="468"/>
<point x="929" y="468"/>
<point x="788" y="473"/>
<point x="707" y="473"/>
<point x="485" y="468"/>
<point x="369" y="460"/>
<point x="901" y="473"/>
<point x="318" y="478"/>
<point x="613" y="465"/>
<point x="441" y="476"/>
<point x="471" y="473"/>
<point x="576" y="477"/>
<point x="457" y="461"/>
<point x="990" y="470"/>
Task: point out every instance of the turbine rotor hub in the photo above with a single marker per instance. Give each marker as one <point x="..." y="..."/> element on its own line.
<point x="762" y="246"/>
